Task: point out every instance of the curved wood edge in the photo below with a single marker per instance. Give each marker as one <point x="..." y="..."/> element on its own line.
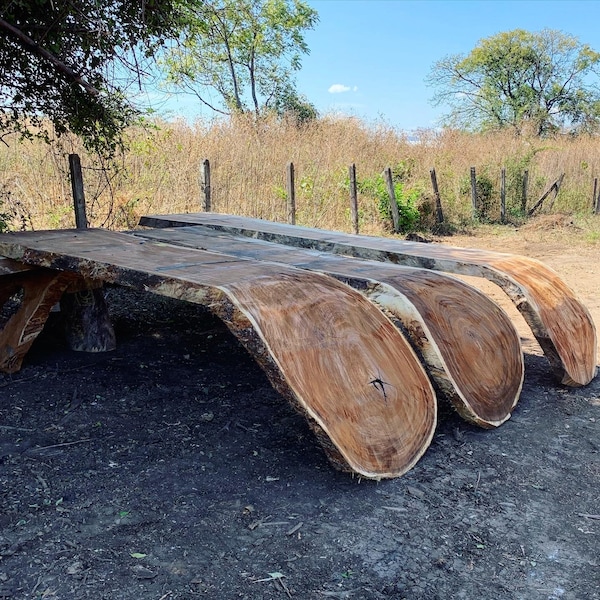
<point x="336" y="358"/>
<point x="332" y="353"/>
<point x="468" y="345"/>
<point x="572" y="356"/>
<point x="554" y="314"/>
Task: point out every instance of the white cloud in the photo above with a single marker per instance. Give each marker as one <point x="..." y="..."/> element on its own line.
<point x="339" y="88"/>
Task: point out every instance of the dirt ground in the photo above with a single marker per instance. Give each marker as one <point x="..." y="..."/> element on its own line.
<point x="170" y="469"/>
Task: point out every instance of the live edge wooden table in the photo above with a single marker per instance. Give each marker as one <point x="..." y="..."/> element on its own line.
<point x="345" y="358"/>
<point x="560" y="322"/>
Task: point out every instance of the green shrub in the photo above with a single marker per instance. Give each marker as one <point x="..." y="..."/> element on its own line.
<point x="406" y="199"/>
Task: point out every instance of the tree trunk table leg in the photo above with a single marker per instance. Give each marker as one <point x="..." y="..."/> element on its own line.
<point x="87" y="322"/>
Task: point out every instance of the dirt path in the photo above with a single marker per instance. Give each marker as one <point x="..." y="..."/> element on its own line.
<point x="170" y="469"/>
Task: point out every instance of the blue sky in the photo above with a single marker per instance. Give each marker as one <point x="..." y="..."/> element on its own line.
<point x="370" y="58"/>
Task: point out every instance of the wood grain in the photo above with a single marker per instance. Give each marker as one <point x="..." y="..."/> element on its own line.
<point x="469" y="346"/>
<point x="331" y="352"/>
<point x="560" y="322"/>
<point x="40" y="289"/>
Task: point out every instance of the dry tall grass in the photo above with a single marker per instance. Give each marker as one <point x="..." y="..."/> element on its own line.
<point x="160" y="173"/>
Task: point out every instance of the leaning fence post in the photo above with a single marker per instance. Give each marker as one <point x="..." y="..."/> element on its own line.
<point x="353" y="198"/>
<point x="556" y="186"/>
<point x="291" y="194"/>
<point x="205" y="185"/>
<point x="387" y="174"/>
<point x="474" y="192"/>
<point x="439" y="215"/>
<point x="78" y="193"/>
<point x="503" y="196"/>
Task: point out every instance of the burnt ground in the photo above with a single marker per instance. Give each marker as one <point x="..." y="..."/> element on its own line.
<point x="170" y="469"/>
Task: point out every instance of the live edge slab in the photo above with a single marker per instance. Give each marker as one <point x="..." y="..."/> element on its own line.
<point x="560" y="322"/>
<point x="467" y="344"/>
<point x="329" y="350"/>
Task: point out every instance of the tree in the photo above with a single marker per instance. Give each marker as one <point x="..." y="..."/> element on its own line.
<point x="59" y="60"/>
<point x="546" y="80"/>
<point x="242" y="52"/>
<point x="289" y="104"/>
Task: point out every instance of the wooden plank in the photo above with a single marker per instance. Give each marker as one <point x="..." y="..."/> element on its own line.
<point x="41" y="290"/>
<point x="559" y="321"/>
<point x="331" y="352"/>
<point x="473" y="356"/>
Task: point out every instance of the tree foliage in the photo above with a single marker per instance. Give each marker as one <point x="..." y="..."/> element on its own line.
<point x="547" y="81"/>
<point x="238" y="56"/>
<point x="70" y="61"/>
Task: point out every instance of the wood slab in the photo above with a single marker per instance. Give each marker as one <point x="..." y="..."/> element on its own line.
<point x="39" y="290"/>
<point x="560" y="322"/>
<point x="469" y="346"/>
<point x="339" y="360"/>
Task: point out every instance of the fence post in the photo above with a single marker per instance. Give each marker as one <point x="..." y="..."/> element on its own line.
<point x="205" y="185"/>
<point x="78" y="193"/>
<point x="387" y="174"/>
<point x="595" y="198"/>
<point x="291" y="194"/>
<point x="353" y="198"/>
<point x="503" y="196"/>
<point x="474" y="192"/>
<point x="439" y="215"/>
<point x="87" y="323"/>
<point x="524" y="191"/>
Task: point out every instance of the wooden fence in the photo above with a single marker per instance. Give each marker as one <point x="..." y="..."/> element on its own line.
<point x="206" y="194"/>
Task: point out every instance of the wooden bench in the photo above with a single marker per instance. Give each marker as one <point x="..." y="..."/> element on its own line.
<point x="473" y="356"/>
<point x="561" y="324"/>
<point x="330" y="351"/>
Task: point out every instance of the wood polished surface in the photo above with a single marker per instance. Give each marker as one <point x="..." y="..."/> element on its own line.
<point x="469" y="345"/>
<point x="336" y="356"/>
<point x="560" y="322"/>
